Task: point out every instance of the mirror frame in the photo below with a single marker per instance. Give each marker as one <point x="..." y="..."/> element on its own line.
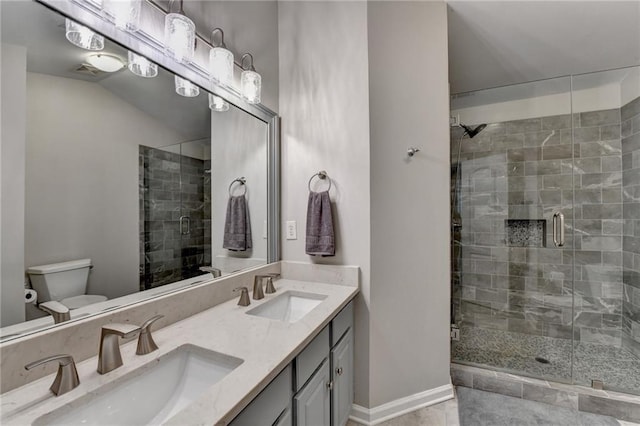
<point x="141" y="42"/>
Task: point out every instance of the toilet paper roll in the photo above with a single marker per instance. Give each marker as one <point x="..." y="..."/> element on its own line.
<point x="30" y="296"/>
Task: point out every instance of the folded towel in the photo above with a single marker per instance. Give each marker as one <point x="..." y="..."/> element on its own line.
<point x="320" y="233"/>
<point x="237" y="226"/>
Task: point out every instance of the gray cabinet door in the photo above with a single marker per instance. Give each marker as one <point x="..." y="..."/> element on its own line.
<point x="312" y="404"/>
<point x="285" y="418"/>
<point x="342" y="376"/>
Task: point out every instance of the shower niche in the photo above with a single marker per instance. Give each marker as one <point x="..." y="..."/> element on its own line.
<point x="526" y="232"/>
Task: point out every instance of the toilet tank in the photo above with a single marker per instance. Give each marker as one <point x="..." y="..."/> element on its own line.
<point x="58" y="281"/>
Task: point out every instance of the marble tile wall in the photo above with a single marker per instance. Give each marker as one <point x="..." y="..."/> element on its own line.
<point x="173" y="185"/>
<point x="527" y="170"/>
<point x="630" y="114"/>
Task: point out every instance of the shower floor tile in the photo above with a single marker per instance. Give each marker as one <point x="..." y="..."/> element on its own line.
<point x="516" y="353"/>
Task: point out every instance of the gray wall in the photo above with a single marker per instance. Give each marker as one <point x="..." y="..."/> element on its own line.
<point x="631" y="232"/>
<point x="338" y="87"/>
<point x="410" y="289"/>
<point x="82" y="179"/>
<point x="12" y="152"/>
<point x="324" y="104"/>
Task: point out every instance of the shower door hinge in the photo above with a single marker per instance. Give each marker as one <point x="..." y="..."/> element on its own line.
<point x="455" y="333"/>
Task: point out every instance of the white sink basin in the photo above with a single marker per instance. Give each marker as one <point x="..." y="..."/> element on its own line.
<point x="148" y="396"/>
<point x="290" y="306"/>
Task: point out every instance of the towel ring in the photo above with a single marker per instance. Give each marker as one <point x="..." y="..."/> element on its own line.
<point x="242" y="181"/>
<point x="321" y="175"/>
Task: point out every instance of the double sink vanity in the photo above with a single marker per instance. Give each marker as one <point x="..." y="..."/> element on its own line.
<point x="285" y="359"/>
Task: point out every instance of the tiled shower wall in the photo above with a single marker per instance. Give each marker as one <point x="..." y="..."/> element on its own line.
<point x="631" y="232"/>
<point x="171" y="186"/>
<point x="522" y="170"/>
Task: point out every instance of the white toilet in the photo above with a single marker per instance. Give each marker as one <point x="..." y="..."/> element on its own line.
<point x="64" y="282"/>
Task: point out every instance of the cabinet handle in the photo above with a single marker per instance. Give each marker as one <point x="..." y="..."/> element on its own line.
<point x="339" y="371"/>
<point x="330" y="385"/>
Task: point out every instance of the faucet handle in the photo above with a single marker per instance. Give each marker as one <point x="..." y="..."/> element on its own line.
<point x="244" y="296"/>
<point x="67" y="377"/>
<point x="270" y="288"/>
<point x="146" y="344"/>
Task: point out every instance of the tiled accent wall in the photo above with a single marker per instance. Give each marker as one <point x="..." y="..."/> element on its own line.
<point x="631" y="231"/>
<point x="523" y="170"/>
<point x="172" y="185"/>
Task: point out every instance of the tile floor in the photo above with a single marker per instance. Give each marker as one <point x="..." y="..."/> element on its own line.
<point x="446" y="414"/>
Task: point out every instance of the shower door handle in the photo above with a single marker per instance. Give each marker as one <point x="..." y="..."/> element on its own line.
<point x="558" y="229"/>
<point x="185" y="220"/>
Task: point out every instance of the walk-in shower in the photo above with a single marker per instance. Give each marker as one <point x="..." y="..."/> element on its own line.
<point x="546" y="229"/>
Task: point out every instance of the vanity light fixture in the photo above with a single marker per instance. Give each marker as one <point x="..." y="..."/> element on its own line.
<point x="220" y="61"/>
<point x="216" y="103"/>
<point x="179" y="35"/>
<point x="186" y="88"/>
<point x="105" y="62"/>
<point x="141" y="66"/>
<point x="125" y="14"/>
<point x="82" y="36"/>
<point x="250" y="81"/>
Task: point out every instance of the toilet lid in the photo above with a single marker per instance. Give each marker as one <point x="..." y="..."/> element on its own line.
<point x="76" y="302"/>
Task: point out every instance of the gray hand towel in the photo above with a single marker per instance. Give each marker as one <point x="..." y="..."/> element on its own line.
<point x="237" y="226"/>
<point x="320" y="233"/>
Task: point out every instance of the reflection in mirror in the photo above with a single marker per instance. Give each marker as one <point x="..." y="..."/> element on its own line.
<point x="119" y="185"/>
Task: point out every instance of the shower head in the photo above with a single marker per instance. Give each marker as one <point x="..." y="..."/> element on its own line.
<point x="472" y="132"/>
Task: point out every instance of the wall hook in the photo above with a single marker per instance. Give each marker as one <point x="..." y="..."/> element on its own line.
<point x="412" y="151"/>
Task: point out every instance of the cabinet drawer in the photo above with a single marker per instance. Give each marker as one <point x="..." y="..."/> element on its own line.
<point x="311" y="357"/>
<point x="269" y="404"/>
<point x="341" y="323"/>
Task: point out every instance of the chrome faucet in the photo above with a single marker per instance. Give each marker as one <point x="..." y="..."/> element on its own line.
<point x="258" y="292"/>
<point x="67" y="377"/>
<point x="216" y="272"/>
<point x="109" y="357"/>
<point x="57" y="310"/>
<point x="146" y="344"/>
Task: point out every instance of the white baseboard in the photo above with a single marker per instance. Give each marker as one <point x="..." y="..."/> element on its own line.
<point x="384" y="412"/>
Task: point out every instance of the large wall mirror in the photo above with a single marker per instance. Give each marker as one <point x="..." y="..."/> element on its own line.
<point x="120" y="188"/>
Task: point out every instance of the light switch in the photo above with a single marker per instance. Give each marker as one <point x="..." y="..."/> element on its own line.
<point x="264" y="230"/>
<point x="292" y="232"/>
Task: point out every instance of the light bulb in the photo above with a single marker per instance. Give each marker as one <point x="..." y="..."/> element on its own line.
<point x="139" y="65"/>
<point x="125" y="14"/>
<point x="179" y="37"/>
<point x="251" y="86"/>
<point x="216" y="103"/>
<point x="221" y="66"/>
<point x="82" y="36"/>
<point x="186" y="88"/>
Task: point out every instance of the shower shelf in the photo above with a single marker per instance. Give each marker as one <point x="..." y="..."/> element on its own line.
<point x="526" y="232"/>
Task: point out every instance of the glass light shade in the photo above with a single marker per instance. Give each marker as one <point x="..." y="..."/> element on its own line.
<point x="106" y="63"/>
<point x="139" y="65"/>
<point x="125" y="14"/>
<point x="216" y="103"/>
<point x="251" y="86"/>
<point x="221" y="66"/>
<point x="82" y="36"/>
<point x="186" y="88"/>
<point x="179" y="37"/>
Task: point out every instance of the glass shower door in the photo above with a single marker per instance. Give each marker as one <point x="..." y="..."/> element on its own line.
<point x="606" y="109"/>
<point x="512" y="192"/>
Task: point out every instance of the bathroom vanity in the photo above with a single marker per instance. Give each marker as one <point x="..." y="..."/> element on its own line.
<point x="266" y="363"/>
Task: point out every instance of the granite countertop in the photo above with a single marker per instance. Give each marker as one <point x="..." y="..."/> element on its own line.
<point x="266" y="346"/>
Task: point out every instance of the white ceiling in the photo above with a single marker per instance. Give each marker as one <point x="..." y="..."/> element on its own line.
<point x="41" y="31"/>
<point x="498" y="43"/>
